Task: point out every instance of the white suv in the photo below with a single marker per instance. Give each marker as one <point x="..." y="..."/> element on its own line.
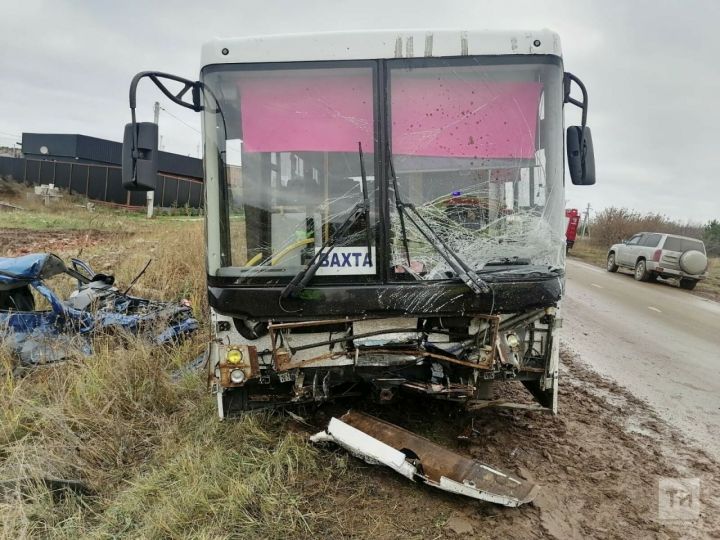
<point x="653" y="255"/>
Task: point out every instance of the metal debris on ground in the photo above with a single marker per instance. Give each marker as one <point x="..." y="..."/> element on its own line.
<point x="48" y="192"/>
<point x="7" y="207"/>
<point x="58" y="487"/>
<point x="380" y="443"/>
<point x="63" y="331"/>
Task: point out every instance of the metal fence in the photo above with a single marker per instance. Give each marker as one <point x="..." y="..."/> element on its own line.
<point x="102" y="182"/>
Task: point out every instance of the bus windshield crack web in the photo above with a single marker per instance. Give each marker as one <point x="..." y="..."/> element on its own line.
<point x="477" y="233"/>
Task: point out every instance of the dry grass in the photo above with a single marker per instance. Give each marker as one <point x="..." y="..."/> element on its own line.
<point x="156" y="461"/>
<point x="589" y="252"/>
<point x="613" y="224"/>
<point x="711" y="286"/>
<point x="154" y="458"/>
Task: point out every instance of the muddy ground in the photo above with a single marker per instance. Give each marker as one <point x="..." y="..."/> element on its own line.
<point x="598" y="462"/>
<point x="16" y="242"/>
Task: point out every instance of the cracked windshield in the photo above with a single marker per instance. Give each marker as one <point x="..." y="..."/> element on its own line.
<point x="471" y="156"/>
<point x="299" y="134"/>
<point x="472" y="152"/>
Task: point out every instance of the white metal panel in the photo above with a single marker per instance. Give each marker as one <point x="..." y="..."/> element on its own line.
<point x="365" y="447"/>
<point x="376" y="452"/>
<point x="375" y="44"/>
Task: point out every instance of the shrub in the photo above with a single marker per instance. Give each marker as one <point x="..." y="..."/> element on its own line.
<point x="614" y="224"/>
<point x="711" y="237"/>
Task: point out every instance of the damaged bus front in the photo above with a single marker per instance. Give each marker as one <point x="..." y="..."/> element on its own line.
<point x="385" y="212"/>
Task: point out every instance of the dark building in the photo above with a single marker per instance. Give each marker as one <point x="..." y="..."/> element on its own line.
<point x="90" y="167"/>
<point x="84" y="149"/>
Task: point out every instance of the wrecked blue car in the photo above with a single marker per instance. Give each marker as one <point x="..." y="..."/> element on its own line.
<point x="66" y="327"/>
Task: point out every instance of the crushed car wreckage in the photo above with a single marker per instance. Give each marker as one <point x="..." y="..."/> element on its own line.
<point x="96" y="305"/>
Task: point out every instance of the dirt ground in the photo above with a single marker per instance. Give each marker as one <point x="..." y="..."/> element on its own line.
<point x="598" y="463"/>
<point x="16" y="242"/>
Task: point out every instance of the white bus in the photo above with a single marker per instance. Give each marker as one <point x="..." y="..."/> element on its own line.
<point x="398" y="223"/>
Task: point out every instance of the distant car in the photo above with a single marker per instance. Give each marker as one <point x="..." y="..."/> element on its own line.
<point x="653" y="255"/>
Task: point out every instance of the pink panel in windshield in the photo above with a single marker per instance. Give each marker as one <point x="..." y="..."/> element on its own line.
<point x="450" y="118"/>
<point x="459" y="118"/>
<point x="318" y="114"/>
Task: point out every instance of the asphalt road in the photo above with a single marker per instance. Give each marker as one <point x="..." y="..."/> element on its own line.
<point x="660" y="342"/>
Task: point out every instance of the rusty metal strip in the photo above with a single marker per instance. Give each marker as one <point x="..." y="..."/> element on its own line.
<point x="417" y="458"/>
<point x="282" y="363"/>
<point x="283" y="358"/>
<point x="303" y="324"/>
<point x="436" y="356"/>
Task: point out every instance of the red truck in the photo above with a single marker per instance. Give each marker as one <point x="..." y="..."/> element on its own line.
<point x="572" y="220"/>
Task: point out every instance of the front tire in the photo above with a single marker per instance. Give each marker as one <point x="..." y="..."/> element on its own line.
<point x="688" y="284"/>
<point x="641" y="272"/>
<point x="611" y="266"/>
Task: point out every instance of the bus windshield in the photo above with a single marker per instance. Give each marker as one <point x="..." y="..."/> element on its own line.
<point x="477" y="149"/>
<point x="475" y="142"/>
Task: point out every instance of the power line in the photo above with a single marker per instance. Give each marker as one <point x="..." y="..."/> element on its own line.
<point x="193" y="128"/>
<point x="181" y="121"/>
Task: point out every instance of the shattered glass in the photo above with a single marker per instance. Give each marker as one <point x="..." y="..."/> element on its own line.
<point x="476" y="145"/>
<point x="296" y="134"/>
<point x="481" y="162"/>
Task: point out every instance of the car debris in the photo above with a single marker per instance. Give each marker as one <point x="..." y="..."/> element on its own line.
<point x="48" y="192"/>
<point x="96" y="305"/>
<point x="8" y="207"/>
<point x="59" y="488"/>
<point x="380" y="443"/>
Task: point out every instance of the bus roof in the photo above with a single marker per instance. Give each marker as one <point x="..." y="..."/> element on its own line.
<point x="378" y="44"/>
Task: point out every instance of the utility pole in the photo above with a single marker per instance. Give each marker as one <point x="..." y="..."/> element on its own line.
<point x="586" y="221"/>
<point x="151" y="194"/>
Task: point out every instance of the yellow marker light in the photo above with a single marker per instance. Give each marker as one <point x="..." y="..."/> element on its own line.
<point x="234" y="356"/>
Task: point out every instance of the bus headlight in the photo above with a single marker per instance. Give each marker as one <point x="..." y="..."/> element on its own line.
<point x="234" y="356"/>
<point x="237" y="376"/>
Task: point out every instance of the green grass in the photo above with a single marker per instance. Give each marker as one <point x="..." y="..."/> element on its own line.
<point x="64" y="216"/>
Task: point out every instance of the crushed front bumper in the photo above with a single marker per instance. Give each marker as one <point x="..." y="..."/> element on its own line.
<point x="380" y="443"/>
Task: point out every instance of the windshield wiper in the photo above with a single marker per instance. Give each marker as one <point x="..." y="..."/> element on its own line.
<point x="528" y="270"/>
<point x="508" y="261"/>
<point x="460" y="267"/>
<point x="399" y="206"/>
<point x="362" y="208"/>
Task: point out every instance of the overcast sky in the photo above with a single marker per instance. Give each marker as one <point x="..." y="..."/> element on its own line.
<point x="651" y="67"/>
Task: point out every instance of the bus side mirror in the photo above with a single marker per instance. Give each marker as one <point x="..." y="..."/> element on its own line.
<point x="140" y="156"/>
<point x="581" y="159"/>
